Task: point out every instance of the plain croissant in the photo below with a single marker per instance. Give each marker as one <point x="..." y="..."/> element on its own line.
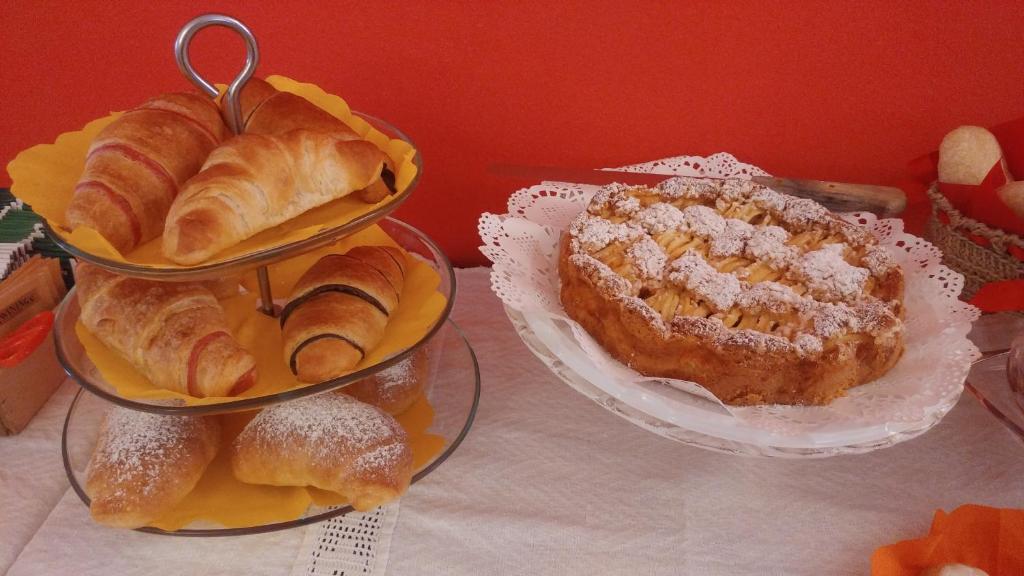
<point x="254" y="182"/>
<point x="136" y="165"/>
<point x="174" y="333"/>
<point x="339" y="309"/>
<point x="267" y="110"/>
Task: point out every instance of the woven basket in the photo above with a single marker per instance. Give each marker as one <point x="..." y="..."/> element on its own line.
<point x="979" y="264"/>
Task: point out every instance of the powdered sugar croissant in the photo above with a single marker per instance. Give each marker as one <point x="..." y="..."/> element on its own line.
<point x="330" y="441"/>
<point x="144" y="464"/>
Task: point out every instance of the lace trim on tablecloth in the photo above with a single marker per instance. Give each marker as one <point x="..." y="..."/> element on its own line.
<point x="354" y="544"/>
<point x="523" y="246"/>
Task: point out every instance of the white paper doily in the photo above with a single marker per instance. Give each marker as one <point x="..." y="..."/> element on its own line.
<point x="923" y="386"/>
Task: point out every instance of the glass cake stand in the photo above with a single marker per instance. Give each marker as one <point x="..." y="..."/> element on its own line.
<point x="263" y="257"/>
<point x="453" y="390"/>
<point x="73" y="357"/>
<point x="680" y="416"/>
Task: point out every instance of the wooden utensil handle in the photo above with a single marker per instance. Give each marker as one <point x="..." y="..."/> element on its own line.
<point x="886" y="201"/>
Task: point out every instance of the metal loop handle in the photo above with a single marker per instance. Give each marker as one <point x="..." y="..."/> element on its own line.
<point x="252" y="58"/>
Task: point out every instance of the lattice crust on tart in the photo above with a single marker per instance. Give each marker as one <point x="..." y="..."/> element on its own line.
<point x="756" y="295"/>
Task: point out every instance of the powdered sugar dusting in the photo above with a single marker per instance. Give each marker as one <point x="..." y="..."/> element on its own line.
<point x="134" y="443"/>
<point x="648" y="258"/>
<point x="718" y="289"/>
<point x="395" y="376"/>
<point x="326" y="423"/>
<point x="660" y="217"/>
<point x="802" y="213"/>
<point x="732" y="239"/>
<point x="644" y="310"/>
<point x="829" y="320"/>
<point x="878" y="260"/>
<point x="753" y="340"/>
<point x="768" y="297"/>
<point x="383" y="459"/>
<point x="768" y="199"/>
<point x="735" y="189"/>
<point x="689" y="187"/>
<point x="601" y="275"/>
<point x="808" y="345"/>
<point x="828" y="276"/>
<point x="703" y="221"/>
<point x="615" y="198"/>
<point x="595" y="233"/>
<point x="768" y="244"/>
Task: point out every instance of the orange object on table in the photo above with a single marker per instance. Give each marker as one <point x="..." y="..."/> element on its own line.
<point x="991" y="539"/>
<point x="19" y="345"/>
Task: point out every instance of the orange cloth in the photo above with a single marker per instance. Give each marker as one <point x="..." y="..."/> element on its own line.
<point x="991" y="539"/>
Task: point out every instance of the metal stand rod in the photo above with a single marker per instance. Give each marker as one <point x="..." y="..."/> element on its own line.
<point x="266" y="296"/>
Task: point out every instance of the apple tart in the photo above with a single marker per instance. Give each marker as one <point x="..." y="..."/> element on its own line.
<point x="760" y="297"/>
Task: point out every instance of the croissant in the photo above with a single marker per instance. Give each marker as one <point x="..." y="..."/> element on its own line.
<point x="255" y="181"/>
<point x="174" y="333"/>
<point x="144" y="464"/>
<point x="393" y="389"/>
<point x="329" y="441"/>
<point x="266" y="110"/>
<point x="338" y="310"/>
<point x="137" y="164"/>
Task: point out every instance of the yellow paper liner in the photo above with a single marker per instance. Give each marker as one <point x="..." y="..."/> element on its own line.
<point x="221" y="499"/>
<point x="419" y="309"/>
<point x="45" y="176"/>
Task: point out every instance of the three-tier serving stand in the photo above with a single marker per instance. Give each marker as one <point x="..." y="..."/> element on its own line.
<point x="454" y="387"/>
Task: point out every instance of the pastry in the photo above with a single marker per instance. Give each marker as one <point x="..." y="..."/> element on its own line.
<point x="266" y="110"/>
<point x="332" y="442"/>
<point x="174" y="333"/>
<point x="254" y="182"/>
<point x="338" y="310"/>
<point x="137" y="164"/>
<point x="953" y="570"/>
<point x="144" y="464"/>
<point x="393" y="389"/>
<point x="760" y="297"/>
<point x="967" y="155"/>
<point x="1012" y="194"/>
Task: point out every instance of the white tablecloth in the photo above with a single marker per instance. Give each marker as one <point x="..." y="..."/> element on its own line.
<point x="550" y="483"/>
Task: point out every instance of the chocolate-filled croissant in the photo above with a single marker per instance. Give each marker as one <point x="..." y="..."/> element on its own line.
<point x="339" y="309"/>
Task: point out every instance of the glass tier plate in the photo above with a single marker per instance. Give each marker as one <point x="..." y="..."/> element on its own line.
<point x="693" y="423"/>
<point x="261" y="257"/>
<point x="453" y="391"/>
<point x="988" y="382"/>
<point x="77" y="364"/>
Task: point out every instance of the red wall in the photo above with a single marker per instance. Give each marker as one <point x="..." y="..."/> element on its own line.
<point x="842" y="91"/>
